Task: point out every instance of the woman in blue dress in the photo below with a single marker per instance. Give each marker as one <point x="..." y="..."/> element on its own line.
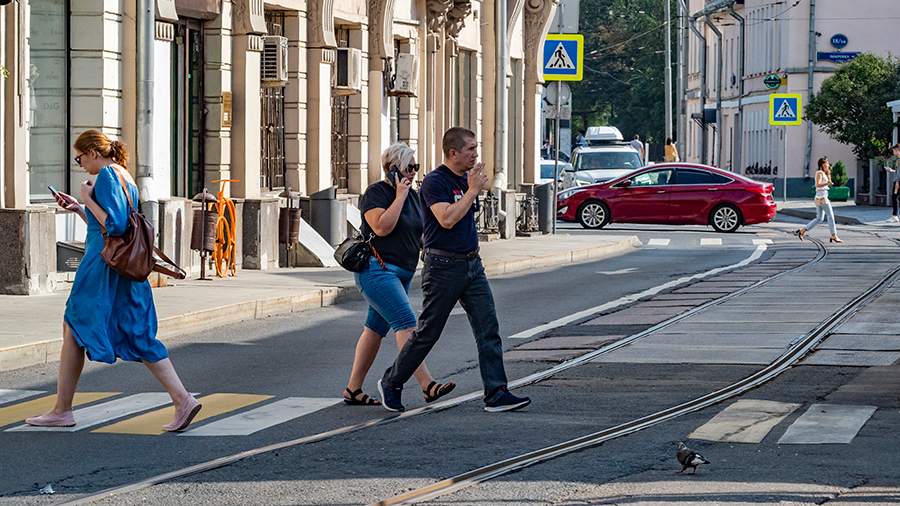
<point x="109" y="316"/>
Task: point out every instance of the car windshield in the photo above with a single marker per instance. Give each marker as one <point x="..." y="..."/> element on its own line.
<point x="547" y="169"/>
<point x="608" y="160"/>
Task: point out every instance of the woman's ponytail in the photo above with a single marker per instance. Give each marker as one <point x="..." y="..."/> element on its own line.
<point x="119" y="153"/>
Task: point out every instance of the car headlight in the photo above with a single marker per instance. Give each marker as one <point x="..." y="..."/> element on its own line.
<point x="563" y="195"/>
<point x="582" y="180"/>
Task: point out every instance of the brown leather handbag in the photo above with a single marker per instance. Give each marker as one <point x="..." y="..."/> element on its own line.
<point x="133" y="254"/>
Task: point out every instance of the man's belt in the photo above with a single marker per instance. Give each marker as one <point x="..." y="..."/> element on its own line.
<point x="452" y="254"/>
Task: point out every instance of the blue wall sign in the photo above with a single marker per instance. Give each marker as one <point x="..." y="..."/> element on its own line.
<point x="836" y="56"/>
<point x="839" y="40"/>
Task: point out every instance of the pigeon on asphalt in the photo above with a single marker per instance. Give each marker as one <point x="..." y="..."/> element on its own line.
<point x="689" y="458"/>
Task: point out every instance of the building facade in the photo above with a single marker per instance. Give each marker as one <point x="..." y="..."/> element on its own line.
<point x="774" y="58"/>
<point x="273" y="94"/>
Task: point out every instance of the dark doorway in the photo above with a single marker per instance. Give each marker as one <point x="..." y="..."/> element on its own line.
<point x="188" y="110"/>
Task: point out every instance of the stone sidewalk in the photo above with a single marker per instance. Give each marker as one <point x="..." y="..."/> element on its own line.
<point x="845" y="213"/>
<point x="31" y="330"/>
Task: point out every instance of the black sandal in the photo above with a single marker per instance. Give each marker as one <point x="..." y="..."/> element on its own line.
<point x="358" y="398"/>
<point x="435" y="390"/>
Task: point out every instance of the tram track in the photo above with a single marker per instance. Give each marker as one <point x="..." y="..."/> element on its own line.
<point x="796" y="350"/>
<point x="821" y="254"/>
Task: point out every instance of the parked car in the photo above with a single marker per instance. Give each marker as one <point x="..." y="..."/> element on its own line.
<point x="545" y="172"/>
<point x="671" y="193"/>
<point x="599" y="163"/>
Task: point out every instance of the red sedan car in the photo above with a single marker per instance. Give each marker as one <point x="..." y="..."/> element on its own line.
<point x="671" y="193"/>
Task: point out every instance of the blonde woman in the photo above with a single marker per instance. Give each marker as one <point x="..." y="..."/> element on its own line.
<point x="392" y="213"/>
<point x="108" y="316"/>
<point x="823" y="205"/>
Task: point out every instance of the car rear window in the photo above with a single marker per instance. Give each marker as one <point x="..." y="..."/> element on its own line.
<point x="693" y="176"/>
<point x="608" y="160"/>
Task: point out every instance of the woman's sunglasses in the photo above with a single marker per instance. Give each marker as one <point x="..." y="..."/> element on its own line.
<point x="78" y="159"/>
<point x="413" y="167"/>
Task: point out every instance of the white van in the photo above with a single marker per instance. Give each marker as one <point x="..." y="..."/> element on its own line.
<point x="607" y="156"/>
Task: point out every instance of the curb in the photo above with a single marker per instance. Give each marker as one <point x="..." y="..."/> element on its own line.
<point x="42" y="352"/>
<point x="808" y="215"/>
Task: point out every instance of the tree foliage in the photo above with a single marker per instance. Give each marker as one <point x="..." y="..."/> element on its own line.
<point x="851" y="104"/>
<point x="624" y="60"/>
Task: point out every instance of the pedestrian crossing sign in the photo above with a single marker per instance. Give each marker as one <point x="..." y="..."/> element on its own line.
<point x="563" y="57"/>
<point x="785" y="109"/>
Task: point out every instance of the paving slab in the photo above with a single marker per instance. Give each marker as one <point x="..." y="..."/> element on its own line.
<point x="722" y="340"/>
<point x="568" y="342"/>
<point x="745" y="421"/>
<point x="827" y="424"/>
<point x="861" y="342"/>
<point x="676" y="354"/>
<point x="619" y="319"/>
<point x="541" y="355"/>
<point x="643" y="310"/>
<point x="853" y="327"/>
<point x="689" y="303"/>
<point x="851" y="358"/>
<point x="727" y="328"/>
<point x="753" y="317"/>
<point x="876" y="386"/>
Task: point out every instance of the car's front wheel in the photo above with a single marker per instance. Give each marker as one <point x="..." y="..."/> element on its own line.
<point x="593" y="214"/>
<point x="725" y="218"/>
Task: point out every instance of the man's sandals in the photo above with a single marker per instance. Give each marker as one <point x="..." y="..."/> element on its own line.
<point x="433" y="392"/>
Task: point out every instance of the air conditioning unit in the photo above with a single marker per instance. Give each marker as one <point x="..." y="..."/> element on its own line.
<point x="347" y="76"/>
<point x="274" y="62"/>
<point x="406" y="75"/>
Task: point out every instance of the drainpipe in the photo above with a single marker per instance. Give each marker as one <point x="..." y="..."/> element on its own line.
<point x="681" y="103"/>
<point x="693" y="25"/>
<point x="146" y="25"/>
<point x="502" y="99"/>
<point x="719" y="60"/>
<point x="809" y="89"/>
<point x="739" y="144"/>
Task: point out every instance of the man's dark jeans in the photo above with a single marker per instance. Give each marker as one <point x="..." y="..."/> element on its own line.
<point x="444" y="282"/>
<point x="895" y="198"/>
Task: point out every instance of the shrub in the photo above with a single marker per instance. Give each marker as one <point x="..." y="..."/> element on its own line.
<point x="839" y="174"/>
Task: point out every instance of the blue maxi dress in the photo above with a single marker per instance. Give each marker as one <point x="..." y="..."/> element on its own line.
<point x="111" y="316"/>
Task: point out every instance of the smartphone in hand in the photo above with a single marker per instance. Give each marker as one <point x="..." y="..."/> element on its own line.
<point x="394" y="176"/>
<point x="53" y="190"/>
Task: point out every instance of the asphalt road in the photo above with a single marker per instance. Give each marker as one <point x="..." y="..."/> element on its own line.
<point x="309" y="356"/>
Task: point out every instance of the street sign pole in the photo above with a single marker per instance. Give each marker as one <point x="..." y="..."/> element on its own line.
<point x="556" y="157"/>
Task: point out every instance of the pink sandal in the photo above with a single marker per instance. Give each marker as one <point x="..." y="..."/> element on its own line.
<point x="184" y="417"/>
<point x="65" y="419"/>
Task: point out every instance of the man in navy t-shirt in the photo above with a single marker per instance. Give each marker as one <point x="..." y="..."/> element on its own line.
<point x="453" y="273"/>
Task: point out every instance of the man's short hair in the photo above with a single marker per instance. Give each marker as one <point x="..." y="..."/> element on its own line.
<point x="456" y="138"/>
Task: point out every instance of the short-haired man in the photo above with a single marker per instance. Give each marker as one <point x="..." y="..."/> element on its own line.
<point x="453" y="272"/>
<point x="638" y="146"/>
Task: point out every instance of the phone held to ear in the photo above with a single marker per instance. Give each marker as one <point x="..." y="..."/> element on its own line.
<point x="394" y="176"/>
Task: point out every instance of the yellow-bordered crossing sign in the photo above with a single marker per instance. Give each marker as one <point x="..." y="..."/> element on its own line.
<point x="563" y="57"/>
<point x="785" y="109"/>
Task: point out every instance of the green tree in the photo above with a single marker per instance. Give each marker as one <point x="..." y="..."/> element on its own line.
<point x="624" y="67"/>
<point x="851" y="104"/>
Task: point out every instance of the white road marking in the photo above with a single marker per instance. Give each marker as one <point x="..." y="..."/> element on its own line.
<point x="762" y="241"/>
<point x="628" y="299"/>
<point x="263" y="417"/>
<point x="658" y="242"/>
<point x="14" y="395"/>
<point x="105" y="412"/>
<point x="827" y="424"/>
<point x="711" y="241"/>
<point x="745" y="421"/>
<point x="620" y="271"/>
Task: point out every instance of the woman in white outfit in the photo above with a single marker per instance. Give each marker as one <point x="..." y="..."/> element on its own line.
<point x="823" y="205"/>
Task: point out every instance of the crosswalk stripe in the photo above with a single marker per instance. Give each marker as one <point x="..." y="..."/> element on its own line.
<point x="658" y="242"/>
<point x="263" y="417"/>
<point x="7" y="396"/>
<point x="20" y="411"/>
<point x="745" y="421"/>
<point x="151" y="423"/>
<point x="101" y="413"/>
<point x="827" y="424"/>
<point x="762" y="241"/>
<point x="711" y="241"/>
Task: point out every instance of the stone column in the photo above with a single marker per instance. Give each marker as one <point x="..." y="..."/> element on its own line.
<point x="488" y="85"/>
<point x="245" y="132"/>
<point x="358" y="136"/>
<point x="320" y="58"/>
<point x="15" y="134"/>
<point x="538" y="14"/>
<point x="295" y="96"/>
<point x="409" y="108"/>
<point x="381" y="53"/>
<point x="217" y="40"/>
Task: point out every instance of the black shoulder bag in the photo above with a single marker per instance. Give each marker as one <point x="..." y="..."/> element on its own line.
<point x="354" y="252"/>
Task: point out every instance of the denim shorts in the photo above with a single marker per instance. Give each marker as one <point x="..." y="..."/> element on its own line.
<point x="387" y="292"/>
